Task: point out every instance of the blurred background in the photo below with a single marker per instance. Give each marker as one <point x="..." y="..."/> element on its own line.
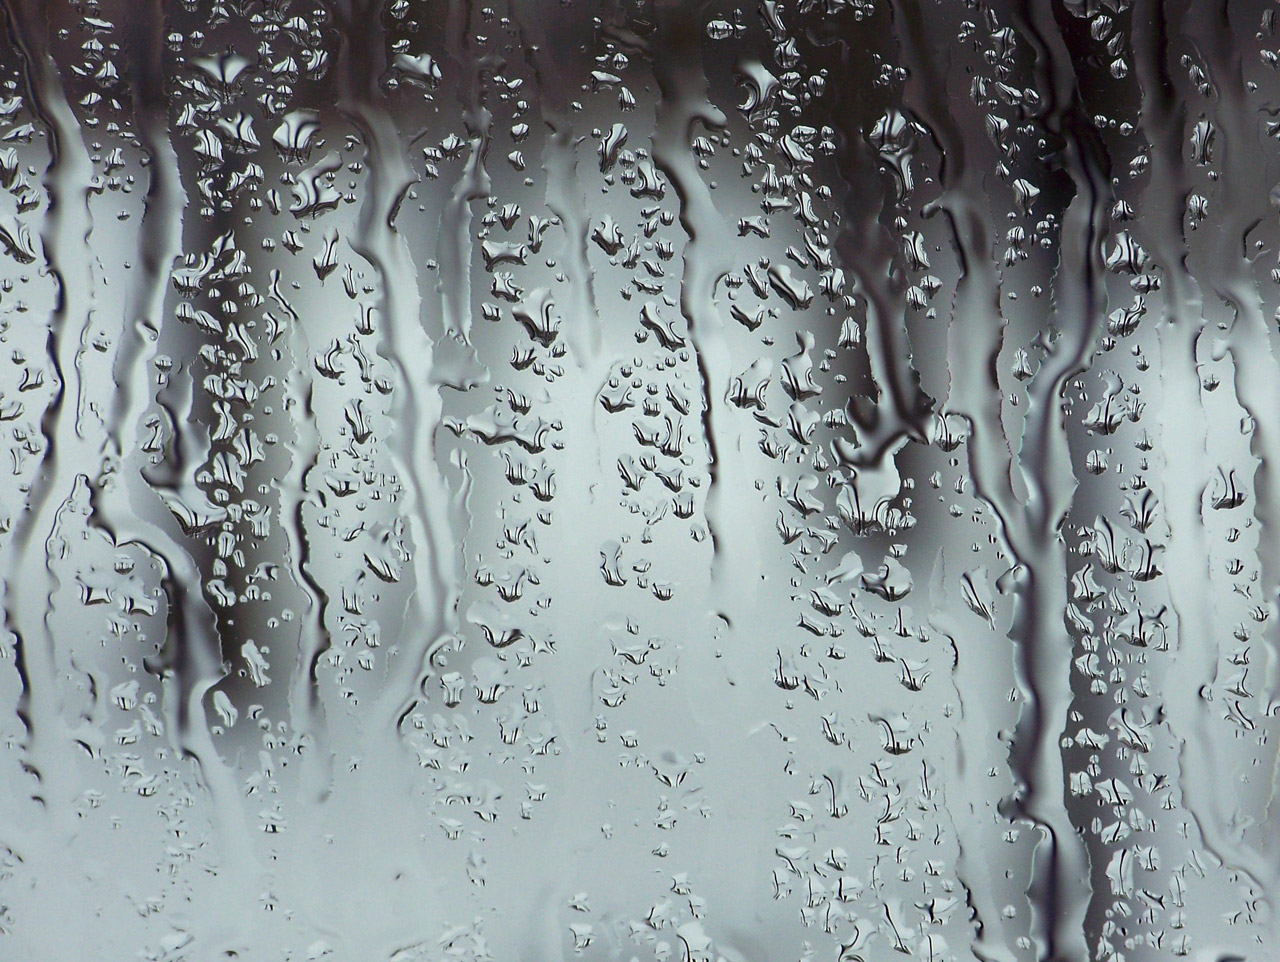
<point x="639" y="479"/>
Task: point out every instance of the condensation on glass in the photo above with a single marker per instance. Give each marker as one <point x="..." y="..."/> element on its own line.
<point x="639" y="480"/>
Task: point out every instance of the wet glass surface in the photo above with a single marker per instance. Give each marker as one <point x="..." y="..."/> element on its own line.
<point x="639" y="480"/>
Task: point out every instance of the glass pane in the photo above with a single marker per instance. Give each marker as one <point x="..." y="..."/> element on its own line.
<point x="639" y="480"/>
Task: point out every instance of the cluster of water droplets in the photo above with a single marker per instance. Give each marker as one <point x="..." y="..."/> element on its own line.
<point x="706" y="482"/>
